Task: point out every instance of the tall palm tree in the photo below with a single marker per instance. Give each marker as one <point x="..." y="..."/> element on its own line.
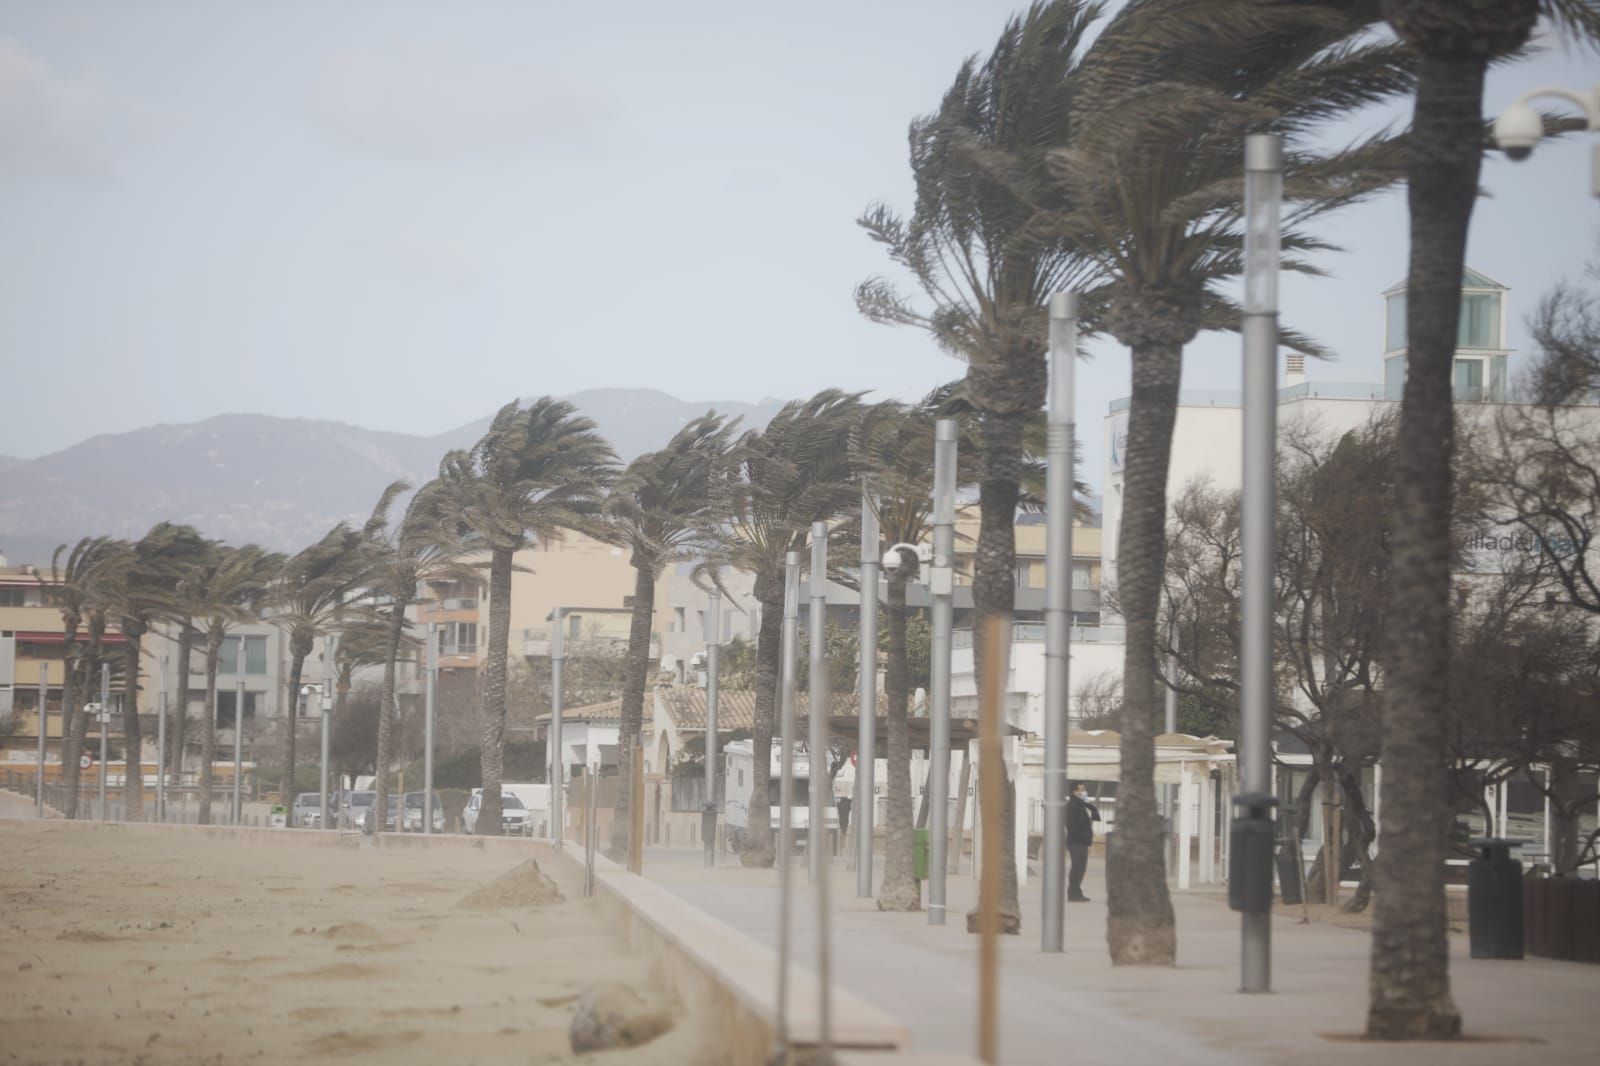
<point x="84" y="583"/>
<point x="225" y="587"/>
<point x="144" y="597"/>
<point x="186" y="613"/>
<point x="538" y="471"/>
<point x="423" y="545"/>
<point x="1457" y="40"/>
<point x="1151" y="186"/>
<point x="797" y="471"/>
<point x="315" y="586"/>
<point x="974" y="247"/>
<point x="663" y="510"/>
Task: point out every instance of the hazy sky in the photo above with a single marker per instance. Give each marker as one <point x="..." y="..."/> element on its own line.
<point x="401" y="215"/>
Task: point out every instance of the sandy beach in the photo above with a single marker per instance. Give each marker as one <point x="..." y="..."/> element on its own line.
<point x="172" y="947"/>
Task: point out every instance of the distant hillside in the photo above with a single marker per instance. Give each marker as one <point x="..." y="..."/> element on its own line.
<point x="278" y="482"/>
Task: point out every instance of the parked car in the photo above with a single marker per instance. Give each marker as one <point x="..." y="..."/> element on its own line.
<point x="307" y="810"/>
<point x="514" y="817"/>
<point x="413" y="815"/>
<point x="364" y="814"/>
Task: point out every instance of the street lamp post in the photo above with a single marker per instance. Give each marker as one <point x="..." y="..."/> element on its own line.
<point x="1250" y="852"/>
<point x="429" y="711"/>
<point x="44" y="727"/>
<point x="238" y="733"/>
<point x="1520" y="127"/>
<point x="161" y="744"/>
<point x="1058" y="609"/>
<point x="330" y="661"/>
<point x="866" y="736"/>
<point x="104" y="713"/>
<point x="558" y="658"/>
<point x="941" y="584"/>
<point x="708" y="820"/>
<point x="790" y="647"/>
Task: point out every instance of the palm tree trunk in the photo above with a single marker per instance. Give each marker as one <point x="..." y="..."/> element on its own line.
<point x="180" y="721"/>
<point x="132" y="757"/>
<point x="388" y="715"/>
<point x="493" y="754"/>
<point x="633" y="685"/>
<point x="1410" y="975"/>
<point x="758" y="846"/>
<point x="1140" y="926"/>
<point x="899" y="891"/>
<point x="994" y="593"/>
<point x="300" y="644"/>
<point x="80" y="727"/>
<point x="208" y="734"/>
<point x="71" y="743"/>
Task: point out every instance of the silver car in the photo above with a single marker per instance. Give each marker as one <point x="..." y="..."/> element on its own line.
<point x="515" y="819"/>
<point x="412" y="820"/>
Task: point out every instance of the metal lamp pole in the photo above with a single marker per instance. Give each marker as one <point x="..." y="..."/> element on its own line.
<point x="44" y="728"/>
<point x="105" y="727"/>
<point x="161" y="746"/>
<point x="558" y="657"/>
<point x="708" y="820"/>
<point x="866" y="736"/>
<point x="1263" y="194"/>
<point x="1058" y="609"/>
<point x="238" y="734"/>
<point x="786" y="685"/>
<point x="817" y="840"/>
<point x="330" y="667"/>
<point x="941" y="584"/>
<point x="428" y="711"/>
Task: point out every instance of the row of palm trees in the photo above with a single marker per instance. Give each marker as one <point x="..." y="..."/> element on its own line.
<point x="1110" y="162"/>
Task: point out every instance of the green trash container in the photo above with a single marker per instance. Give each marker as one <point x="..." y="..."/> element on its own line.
<point x="919" y="854"/>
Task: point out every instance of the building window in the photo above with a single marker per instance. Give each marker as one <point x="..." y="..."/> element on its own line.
<point x="255" y="656"/>
<point x="13" y="597"/>
<point x="1480" y="320"/>
<point x="225" y="705"/>
<point x="460" y="638"/>
<point x="679" y="620"/>
<point x="1082" y="575"/>
<point x="1469" y="380"/>
<point x="1395" y="334"/>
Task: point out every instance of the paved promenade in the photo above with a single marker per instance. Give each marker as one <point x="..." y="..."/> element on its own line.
<point x="1076" y="1007"/>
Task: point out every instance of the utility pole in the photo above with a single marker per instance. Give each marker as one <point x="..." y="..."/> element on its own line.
<point x="941" y="585"/>
<point x="238" y="736"/>
<point x="558" y="657"/>
<point x="708" y="820"/>
<point x="790" y="649"/>
<point x="1058" y="609"/>
<point x="1250" y="881"/>
<point x="866" y="735"/>
<point x="429" y="711"/>
<point x="817" y="837"/>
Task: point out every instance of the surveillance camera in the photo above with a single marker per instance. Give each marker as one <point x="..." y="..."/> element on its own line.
<point x="1517" y="130"/>
<point x="892" y="560"/>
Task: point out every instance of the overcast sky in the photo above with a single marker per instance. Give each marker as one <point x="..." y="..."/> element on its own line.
<point x="401" y="215"/>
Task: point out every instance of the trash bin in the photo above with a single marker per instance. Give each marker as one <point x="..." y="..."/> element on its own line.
<point x="280" y="816"/>
<point x="1494" y="901"/>
<point x="919" y="854"/>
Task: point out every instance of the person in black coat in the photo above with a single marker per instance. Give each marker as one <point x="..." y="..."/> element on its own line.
<point x="1081" y="816"/>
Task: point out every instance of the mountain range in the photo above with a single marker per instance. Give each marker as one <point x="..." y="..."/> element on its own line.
<point x="277" y="482"/>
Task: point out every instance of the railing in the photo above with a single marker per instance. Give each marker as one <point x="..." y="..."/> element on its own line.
<point x="1034" y="633"/>
<point x="458" y="603"/>
<point x="1345" y="390"/>
<point x="459" y="649"/>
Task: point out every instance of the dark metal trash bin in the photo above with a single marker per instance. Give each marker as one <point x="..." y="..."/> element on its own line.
<point x="1494" y="901"/>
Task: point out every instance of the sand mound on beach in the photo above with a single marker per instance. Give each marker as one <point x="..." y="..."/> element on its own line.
<point x="522" y="886"/>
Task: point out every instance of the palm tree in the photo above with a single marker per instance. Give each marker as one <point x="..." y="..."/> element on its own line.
<point x="143" y="597"/>
<point x="974" y="248"/>
<point x="185" y="614"/>
<point x="1151" y="183"/>
<point x="84" y="586"/>
<point x="422" y="546"/>
<point x="315" y="586"/>
<point x="1457" y="40"/>
<point x="538" y="471"/>
<point x="663" y="510"/>
<point x="223" y="588"/>
<point x="797" y="471"/>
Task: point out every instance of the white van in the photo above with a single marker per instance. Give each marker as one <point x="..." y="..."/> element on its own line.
<point x="740" y="780"/>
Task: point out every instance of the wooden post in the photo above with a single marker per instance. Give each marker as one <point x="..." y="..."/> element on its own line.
<point x="991" y="776"/>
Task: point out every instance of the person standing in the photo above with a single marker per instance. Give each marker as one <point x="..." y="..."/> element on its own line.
<point x="1081" y="816"/>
